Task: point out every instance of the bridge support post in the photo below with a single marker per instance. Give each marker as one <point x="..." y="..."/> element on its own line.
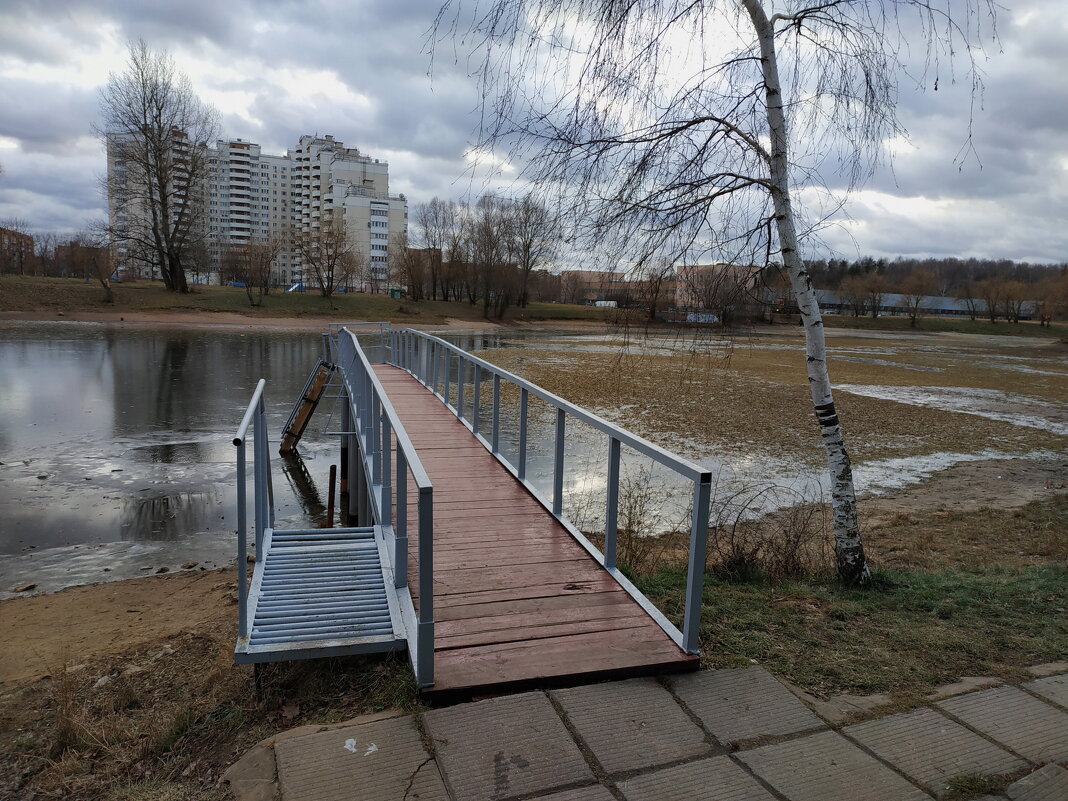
<point x="358" y="504"/>
<point x="346" y="422"/>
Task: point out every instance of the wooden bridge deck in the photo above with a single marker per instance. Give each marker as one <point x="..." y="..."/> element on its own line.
<point x="516" y="599"/>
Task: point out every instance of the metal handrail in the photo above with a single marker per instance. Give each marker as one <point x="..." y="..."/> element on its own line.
<point x="429" y="360"/>
<point x="387" y="457"/>
<point x="263" y="494"/>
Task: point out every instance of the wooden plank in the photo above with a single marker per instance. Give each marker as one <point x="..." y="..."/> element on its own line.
<point x="546" y="617"/>
<point x="308" y="403"/>
<point x="516" y="598"/>
<point x="537" y="631"/>
<point x="577" y="654"/>
<point x="585" y="601"/>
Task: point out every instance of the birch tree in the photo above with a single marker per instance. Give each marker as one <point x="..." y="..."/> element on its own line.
<point x="157" y="132"/>
<point x="675" y="128"/>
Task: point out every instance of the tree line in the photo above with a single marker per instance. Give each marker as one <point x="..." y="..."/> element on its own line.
<point x="489" y="252"/>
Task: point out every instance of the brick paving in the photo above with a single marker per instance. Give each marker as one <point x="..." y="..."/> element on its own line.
<point x="726" y="735"/>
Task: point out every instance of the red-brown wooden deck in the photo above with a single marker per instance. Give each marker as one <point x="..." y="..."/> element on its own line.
<point x="516" y="599"/>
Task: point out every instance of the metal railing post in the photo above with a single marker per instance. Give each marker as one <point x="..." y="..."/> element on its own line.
<point x="425" y="647"/>
<point x="432" y="356"/>
<point x="460" y="387"/>
<point x="385" y="505"/>
<point x="258" y="488"/>
<point x="476" y="393"/>
<point x="558" y="466"/>
<point x="376" y="441"/>
<point x="495" y="435"/>
<point x="522" y="466"/>
<point x="695" y="575"/>
<point x="269" y="498"/>
<point x="612" y="507"/>
<point x="400" y="539"/>
<point x="448" y="368"/>
<point x="242" y="545"/>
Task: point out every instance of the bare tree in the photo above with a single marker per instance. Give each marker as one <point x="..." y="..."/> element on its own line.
<point x="655" y="285"/>
<point x="1013" y="300"/>
<point x="433" y="222"/>
<point x="157" y="132"/>
<point x="854" y="295"/>
<point x="968" y="295"/>
<point x="250" y="264"/>
<point x="535" y="233"/>
<point x="660" y="145"/>
<point x="409" y="265"/>
<point x="991" y="291"/>
<point x="875" y="287"/>
<point x="329" y="254"/>
<point x="914" y="292"/>
<point x="88" y="253"/>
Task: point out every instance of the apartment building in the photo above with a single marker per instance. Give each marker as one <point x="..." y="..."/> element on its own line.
<point x="335" y="180"/>
<point x="252" y="197"/>
<point x="16" y="252"/>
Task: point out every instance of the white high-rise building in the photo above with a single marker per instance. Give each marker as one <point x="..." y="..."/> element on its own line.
<point x="334" y="179"/>
<point x="250" y="199"/>
<point x="252" y="196"/>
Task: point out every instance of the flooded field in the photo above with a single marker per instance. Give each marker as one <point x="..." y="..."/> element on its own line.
<point x="115" y="453"/>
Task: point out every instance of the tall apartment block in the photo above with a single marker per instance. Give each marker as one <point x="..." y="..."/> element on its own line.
<point x="251" y="196"/>
<point x="334" y="179"/>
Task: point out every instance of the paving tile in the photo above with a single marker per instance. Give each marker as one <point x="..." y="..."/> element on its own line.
<point x="1031" y="728"/>
<point x="629" y="725"/>
<point x="597" y="792"/>
<point x="1045" y="784"/>
<point x="1055" y="688"/>
<point x="372" y="762"/>
<point x="826" y="766"/>
<point x="1048" y="669"/>
<point x="931" y="749"/>
<point x="737" y="705"/>
<point x="964" y="685"/>
<point x="504" y="747"/>
<point x="714" y="779"/>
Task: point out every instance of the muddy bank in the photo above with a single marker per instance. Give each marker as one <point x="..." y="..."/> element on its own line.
<point x="49" y="633"/>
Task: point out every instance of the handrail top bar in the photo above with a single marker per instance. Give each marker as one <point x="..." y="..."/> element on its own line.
<point x="419" y="474"/>
<point x="680" y="465"/>
<point x="242" y="429"/>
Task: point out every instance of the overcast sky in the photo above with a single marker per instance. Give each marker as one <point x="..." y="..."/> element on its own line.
<point x="358" y="70"/>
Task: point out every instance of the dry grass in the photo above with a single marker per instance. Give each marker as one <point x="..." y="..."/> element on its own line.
<point x="757" y="401"/>
<point x="69" y="296"/>
<point x="172" y="717"/>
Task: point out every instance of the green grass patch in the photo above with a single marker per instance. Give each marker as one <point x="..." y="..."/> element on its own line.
<point x="908" y="633"/>
<point x="1027" y="328"/>
<point x="67" y="295"/>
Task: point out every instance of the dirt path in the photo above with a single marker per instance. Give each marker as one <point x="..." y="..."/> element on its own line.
<point x="44" y="633"/>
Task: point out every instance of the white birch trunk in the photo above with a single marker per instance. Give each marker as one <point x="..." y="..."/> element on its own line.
<point x="848" y="548"/>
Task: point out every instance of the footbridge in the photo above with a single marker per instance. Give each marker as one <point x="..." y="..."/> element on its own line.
<point x="446" y="548"/>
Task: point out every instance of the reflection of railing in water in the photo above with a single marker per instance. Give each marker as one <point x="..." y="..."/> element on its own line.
<point x="166" y="517"/>
<point x="434" y="362"/>
<point x="304" y="488"/>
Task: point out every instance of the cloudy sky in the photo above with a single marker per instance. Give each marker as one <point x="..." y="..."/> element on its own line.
<point x="359" y="70"/>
